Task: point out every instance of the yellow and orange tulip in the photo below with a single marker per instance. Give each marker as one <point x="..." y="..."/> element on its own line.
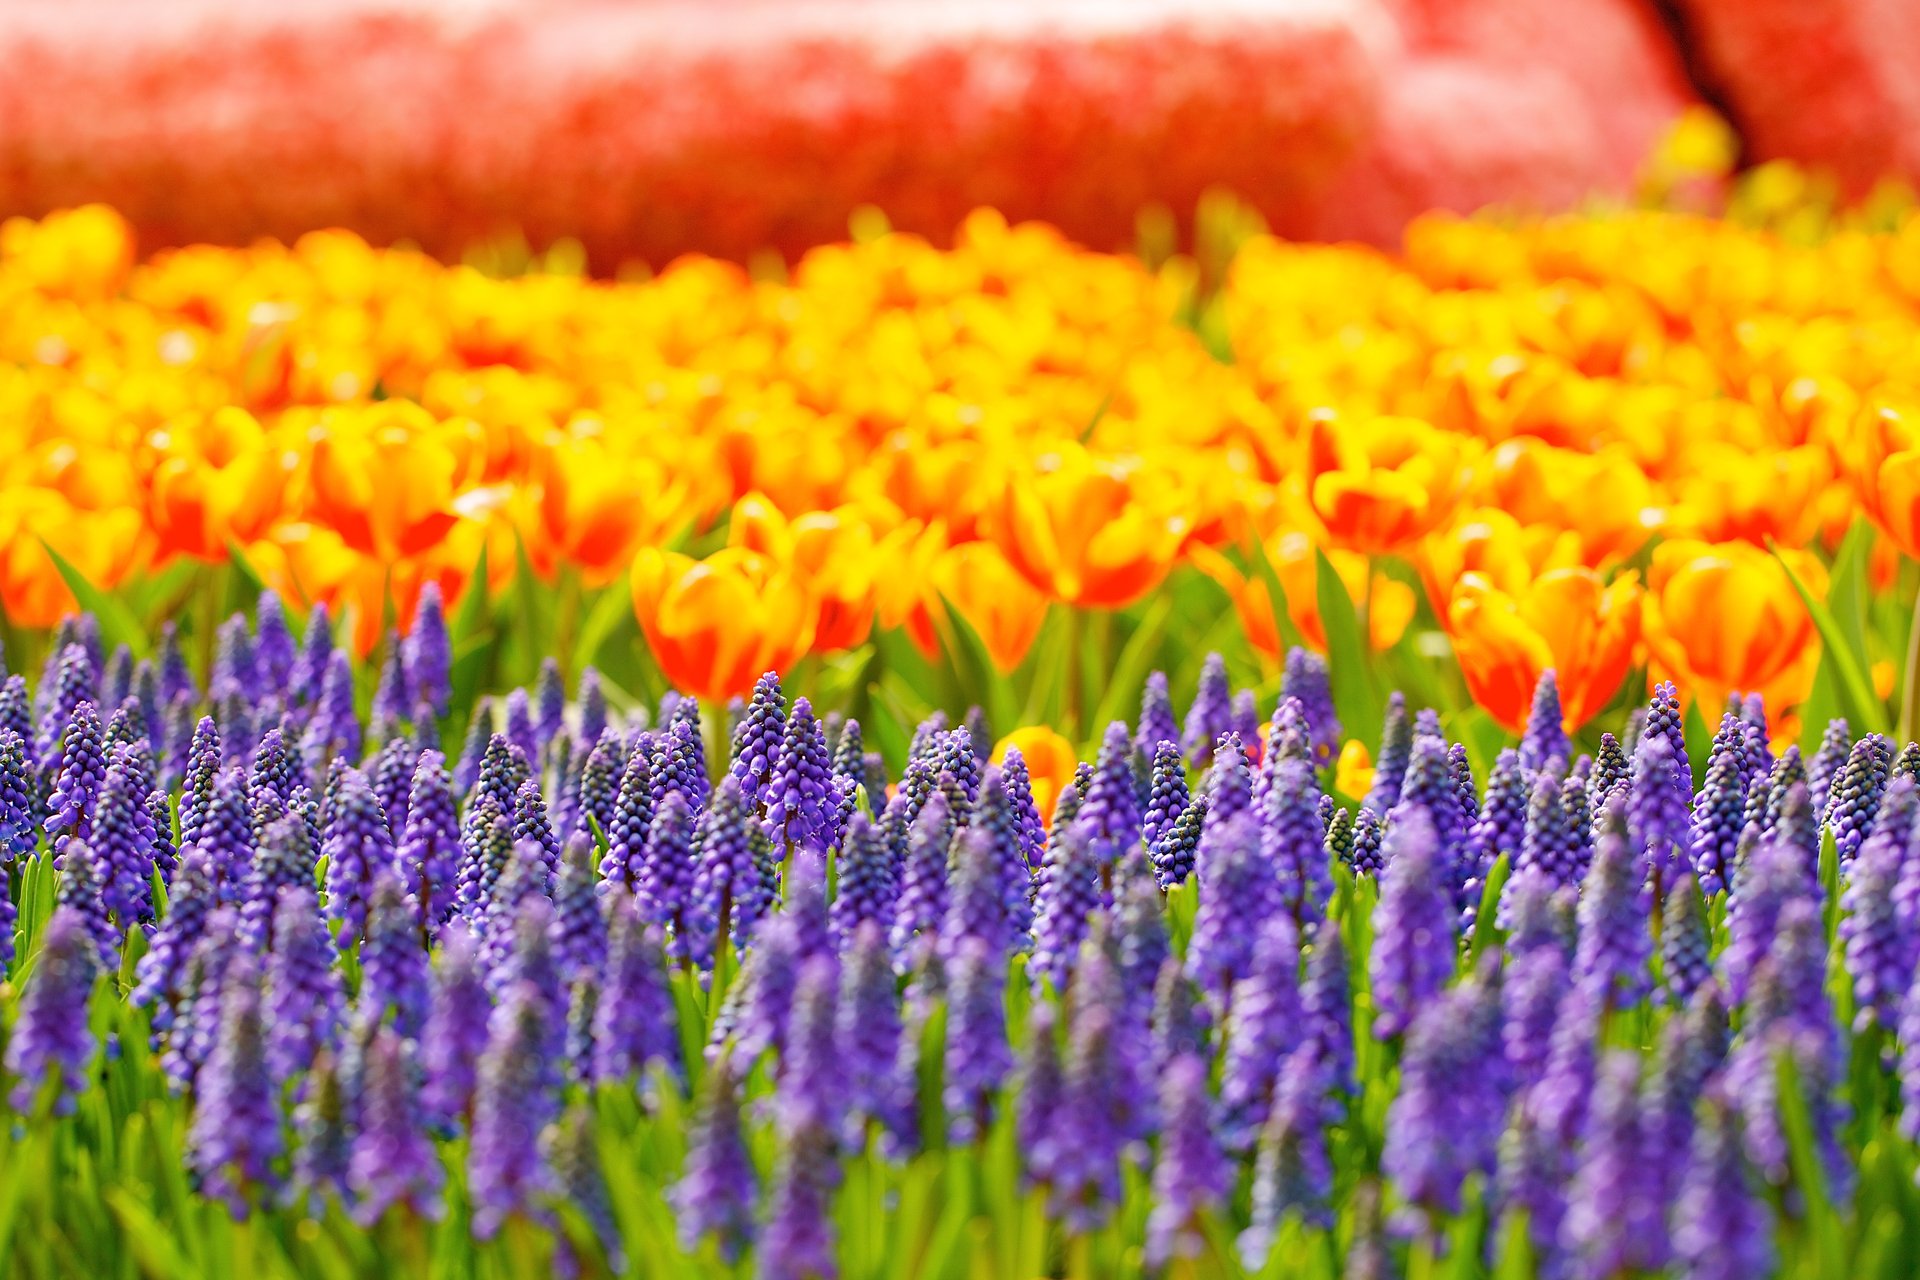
<point x="715" y="625"/>
<point x="1568" y="621"/>
<point x="1722" y="618"/>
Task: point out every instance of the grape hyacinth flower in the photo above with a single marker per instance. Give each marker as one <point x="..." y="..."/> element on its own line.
<point x="51" y="1043"/>
<point x="1156" y="723"/>
<point x="234" y="1139"/>
<point x="1236" y="895"/>
<point x="634" y="1019"/>
<point x="1390" y="767"/>
<point x="1880" y="950"/>
<point x="515" y="1097"/>
<point x="1855" y="795"/>
<point x="357" y="841"/>
<point x="869" y="882"/>
<point x="795" y="795"/>
<point x="1722" y="1230"/>
<point x="1305" y="677"/>
<point x="868" y="1043"/>
<point x="1545" y="740"/>
<point x="76" y="784"/>
<point x="1191" y="1176"/>
<point x="456" y="1029"/>
<point x="1070" y="892"/>
<point x="303" y="999"/>
<point x="1445" y="1122"/>
<point x="1211" y="713"/>
<point x="1614" y="1215"/>
<point x="1836" y="746"/>
<point x="1615" y="905"/>
<point x="392" y="1160"/>
<point x="1292" y="841"/>
<point x="1413" y="925"/>
<point x="715" y="1195"/>
<point x="978" y="1058"/>
<point x="1264" y="1025"/>
<point x="1293" y="1171"/>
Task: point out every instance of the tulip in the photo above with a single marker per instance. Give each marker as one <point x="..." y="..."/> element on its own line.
<point x="217" y="481"/>
<point x="83" y="253"/>
<point x="105" y="546"/>
<point x="1491" y="543"/>
<point x="1002" y="607"/>
<point x="715" y="624"/>
<point x="1568" y="621"/>
<point x="1378" y="484"/>
<point x="385" y="480"/>
<point x="599" y="502"/>
<point x="1389" y="608"/>
<point x="1050" y="763"/>
<point x="1353" y="770"/>
<point x="1883" y="458"/>
<point x="1723" y="617"/>
<point x="1603" y="498"/>
<point x="833" y="553"/>
<point x="1090" y="532"/>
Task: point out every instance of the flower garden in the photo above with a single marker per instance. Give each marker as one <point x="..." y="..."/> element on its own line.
<point x="973" y="758"/>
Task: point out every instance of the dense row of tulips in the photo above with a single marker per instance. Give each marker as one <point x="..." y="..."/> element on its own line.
<point x="1571" y="443"/>
<point x="708" y="992"/>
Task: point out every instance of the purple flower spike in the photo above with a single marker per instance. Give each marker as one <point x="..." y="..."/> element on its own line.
<point x="978" y="1058"/>
<point x="76" y="785"/>
<point x="456" y="1031"/>
<point x="634" y="1020"/>
<point x="1264" y="1025"/>
<point x="1390" y="766"/>
<point x="1445" y="1122"/>
<point x="1546" y="737"/>
<point x="1614" y="940"/>
<point x="515" y="1097"/>
<point x="728" y="898"/>
<point x="357" y="843"/>
<point x="1722" y="1230"/>
<point x="1880" y="950"/>
<point x="714" y="1197"/>
<point x="1236" y="896"/>
<point x="1854" y="798"/>
<point x="1292" y="841"/>
<point x="51" y="1042"/>
<point x="1656" y="811"/>
<point x="1293" y="1172"/>
<point x="1070" y="892"/>
<point x="1413" y="924"/>
<point x="303" y="996"/>
<point x="392" y="1160"/>
<point x="869" y="882"/>
<point x="235" y="1138"/>
<point x="1614" y="1216"/>
<point x="1306" y="678"/>
<point x="1191" y="1176"/>
<point x="1211" y="714"/>
<point x="1836" y="744"/>
<point x="1157" y="724"/>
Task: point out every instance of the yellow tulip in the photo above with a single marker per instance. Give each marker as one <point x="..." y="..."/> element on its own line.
<point x="1376" y="485"/>
<point x="1721" y="618"/>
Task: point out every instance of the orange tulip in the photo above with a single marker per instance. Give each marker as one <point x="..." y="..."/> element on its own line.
<point x="1723" y="617"/>
<point x="1087" y="531"/>
<point x="217" y="480"/>
<point x="1569" y="621"/>
<point x="1378" y="484"/>
<point x="1389" y="611"/>
<point x="714" y="625"/>
<point x="1883" y="458"/>
<point x="834" y="553"/>
<point x="1491" y="543"/>
<point x="1604" y="497"/>
<point x="1000" y="605"/>
<point x="386" y="480"/>
<point x="1050" y="763"/>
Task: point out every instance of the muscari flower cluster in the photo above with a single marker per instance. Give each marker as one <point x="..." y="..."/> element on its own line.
<point x="352" y="952"/>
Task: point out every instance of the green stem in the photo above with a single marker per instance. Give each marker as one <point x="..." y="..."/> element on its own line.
<point x="1910" y="679"/>
<point x="1076" y="624"/>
